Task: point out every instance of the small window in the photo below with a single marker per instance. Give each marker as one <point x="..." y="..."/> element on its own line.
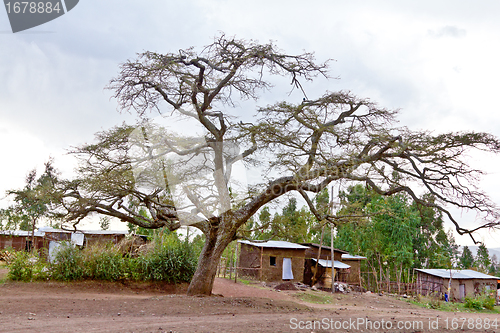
<point x="272" y="261"/>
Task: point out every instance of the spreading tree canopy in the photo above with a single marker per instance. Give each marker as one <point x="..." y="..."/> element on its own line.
<point x="153" y="177"/>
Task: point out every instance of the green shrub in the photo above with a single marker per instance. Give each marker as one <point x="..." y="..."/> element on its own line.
<point x="104" y="262"/>
<point x="489" y="302"/>
<point x="68" y="264"/>
<point x="26" y="266"/>
<point x="169" y="260"/>
<point x="480" y="302"/>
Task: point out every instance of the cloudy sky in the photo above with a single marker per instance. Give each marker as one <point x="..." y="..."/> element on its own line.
<point x="436" y="61"/>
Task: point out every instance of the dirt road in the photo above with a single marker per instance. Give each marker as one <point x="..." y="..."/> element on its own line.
<point x="115" y="307"/>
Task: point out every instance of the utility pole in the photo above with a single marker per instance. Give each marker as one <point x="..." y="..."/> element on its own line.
<point x="331" y="244"/>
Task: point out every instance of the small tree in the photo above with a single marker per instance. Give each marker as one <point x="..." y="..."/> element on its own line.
<point x="483" y="261"/>
<point x="466" y="260"/>
<point x="33" y="202"/>
<point x="104" y="222"/>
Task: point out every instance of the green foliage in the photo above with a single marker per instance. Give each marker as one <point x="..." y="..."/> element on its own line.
<point x="197" y="245"/>
<point x="33" y="202"/>
<point x="495" y="266"/>
<point x="69" y="264"/>
<point x="470" y="304"/>
<point x="170" y="260"/>
<point x="387" y="238"/>
<point x="292" y="225"/>
<point x="26" y="266"/>
<point x="394" y="233"/>
<point x="483" y="261"/>
<point x="104" y="222"/>
<point x="132" y="228"/>
<point x="480" y="302"/>
<point x="434" y="248"/>
<point x="10" y="219"/>
<point x="104" y="262"/>
<point x="432" y="301"/>
<point x="466" y="260"/>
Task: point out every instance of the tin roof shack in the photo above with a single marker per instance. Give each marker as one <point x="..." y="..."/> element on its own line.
<point x="324" y="275"/>
<point x="463" y="282"/>
<point x="20" y="240"/>
<point x="271" y="261"/>
<point x="326" y="254"/>
<point x="354" y="276"/>
<point x="96" y="236"/>
<point x="83" y="237"/>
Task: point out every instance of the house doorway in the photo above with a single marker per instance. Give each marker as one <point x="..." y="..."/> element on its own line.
<point x="461" y="291"/>
<point x="287" y="269"/>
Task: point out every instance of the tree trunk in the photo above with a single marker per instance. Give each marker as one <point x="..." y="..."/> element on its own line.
<point x="32" y="249"/>
<point x="203" y="279"/>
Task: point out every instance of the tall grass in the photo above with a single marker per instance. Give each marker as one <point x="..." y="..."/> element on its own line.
<point x="170" y="260"/>
<point x="96" y="262"/>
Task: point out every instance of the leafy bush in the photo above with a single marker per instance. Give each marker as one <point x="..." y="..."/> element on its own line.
<point x="26" y="266"/>
<point x="68" y="264"/>
<point x="104" y="262"/>
<point x="169" y="259"/>
<point x="480" y="302"/>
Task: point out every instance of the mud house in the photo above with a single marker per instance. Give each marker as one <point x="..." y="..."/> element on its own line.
<point x="326" y="252"/>
<point x="323" y="277"/>
<point x="354" y="276"/>
<point x="323" y="266"/>
<point x="463" y="282"/>
<point x="20" y="240"/>
<point x="45" y="236"/>
<point x="83" y="237"/>
<point x="271" y="261"/>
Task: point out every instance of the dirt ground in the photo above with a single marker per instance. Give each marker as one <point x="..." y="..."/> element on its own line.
<point x="235" y="307"/>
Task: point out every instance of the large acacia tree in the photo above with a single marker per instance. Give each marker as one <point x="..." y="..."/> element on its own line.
<point x="300" y="146"/>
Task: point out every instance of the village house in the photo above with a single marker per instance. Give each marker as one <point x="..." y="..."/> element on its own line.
<point x="272" y="261"/>
<point x="83" y="237"/>
<point x="463" y="282"/>
<point x="323" y="266"/>
<point x="354" y="276"/>
<point x="21" y="240"/>
<point x="275" y="261"/>
<point x="48" y="238"/>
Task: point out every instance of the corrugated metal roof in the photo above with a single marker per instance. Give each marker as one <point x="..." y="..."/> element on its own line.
<point x="352" y="257"/>
<point x="41" y="232"/>
<point x="323" y="247"/>
<point x="94" y="232"/>
<point x="336" y="264"/>
<point x="21" y="233"/>
<point x="275" y="244"/>
<point x="463" y="274"/>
